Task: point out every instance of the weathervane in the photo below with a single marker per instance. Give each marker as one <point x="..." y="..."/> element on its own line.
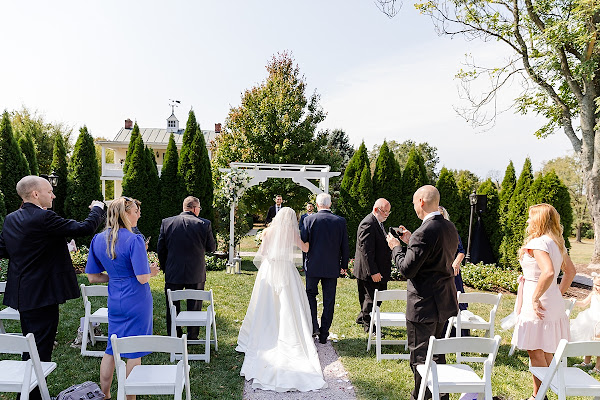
<point x="173" y="104"/>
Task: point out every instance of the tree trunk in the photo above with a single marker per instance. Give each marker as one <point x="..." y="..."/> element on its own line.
<point x="578" y="233"/>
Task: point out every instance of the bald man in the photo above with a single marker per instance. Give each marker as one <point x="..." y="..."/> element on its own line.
<point x="40" y="271"/>
<point x="372" y="266"/>
<point x="427" y="264"/>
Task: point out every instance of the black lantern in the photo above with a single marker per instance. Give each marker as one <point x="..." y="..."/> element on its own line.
<point x="53" y="179"/>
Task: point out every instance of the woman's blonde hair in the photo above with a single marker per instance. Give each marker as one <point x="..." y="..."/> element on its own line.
<point x="544" y="220"/>
<point x="116" y="218"/>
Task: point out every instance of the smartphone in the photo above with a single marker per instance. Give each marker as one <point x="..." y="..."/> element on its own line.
<point x="395" y="232"/>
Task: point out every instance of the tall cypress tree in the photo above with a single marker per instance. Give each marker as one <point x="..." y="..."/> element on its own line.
<point x="386" y="182"/>
<point x="2" y="210"/>
<point x="149" y="224"/>
<point x="28" y="149"/>
<point x="83" y="179"/>
<point x="194" y="167"/>
<point x="490" y="216"/>
<point x="413" y="177"/>
<point x="171" y="193"/>
<point x="13" y="165"/>
<point x="134" y="135"/>
<point x="60" y="167"/>
<point x="516" y="221"/>
<point x="446" y="185"/>
<point x="507" y="189"/>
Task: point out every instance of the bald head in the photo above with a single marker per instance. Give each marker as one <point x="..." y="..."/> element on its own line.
<point x="426" y="200"/>
<point x="30" y="183"/>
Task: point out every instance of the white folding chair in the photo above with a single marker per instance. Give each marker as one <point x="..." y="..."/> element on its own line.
<point x="23" y="376"/>
<point x="564" y="380"/>
<point x="152" y="379"/>
<point x="100" y="316"/>
<point x="381" y="319"/>
<point x="194" y="318"/>
<point x="468" y="320"/>
<point x="458" y="378"/>
<point x="569" y="304"/>
<point x="7" y="313"/>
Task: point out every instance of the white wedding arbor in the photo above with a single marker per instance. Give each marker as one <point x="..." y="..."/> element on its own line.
<point x="259" y="173"/>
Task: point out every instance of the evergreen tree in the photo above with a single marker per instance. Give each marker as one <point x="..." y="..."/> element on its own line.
<point x="194" y="167"/>
<point x="171" y="193"/>
<point x="2" y="210"/>
<point x="490" y="216"/>
<point x="516" y="220"/>
<point x="149" y="224"/>
<point x="83" y="179"/>
<point x="466" y="182"/>
<point x="446" y="185"/>
<point x="413" y="177"/>
<point x="60" y="167"/>
<point x="13" y="165"/>
<point x="134" y="135"/>
<point x="28" y="149"/>
<point x="507" y="188"/>
<point x="386" y="183"/>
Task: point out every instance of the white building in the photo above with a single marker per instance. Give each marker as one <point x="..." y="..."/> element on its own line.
<point x="155" y="138"/>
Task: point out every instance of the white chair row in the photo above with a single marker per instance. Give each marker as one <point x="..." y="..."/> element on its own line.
<point x="183" y="318"/>
<point x="7" y="313"/>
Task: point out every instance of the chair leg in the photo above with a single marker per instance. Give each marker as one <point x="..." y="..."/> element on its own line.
<point x="370" y="333"/>
<point x="207" y="341"/>
<point x="214" y="325"/>
<point x="84" y="337"/>
<point x="2" y="330"/>
<point x="449" y="328"/>
<point x="512" y="350"/>
<point x="378" y="342"/>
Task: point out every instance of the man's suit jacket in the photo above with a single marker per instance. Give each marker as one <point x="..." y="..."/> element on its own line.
<point x="301" y="222"/>
<point x="182" y="243"/>
<point x="327" y="236"/>
<point x="40" y="270"/>
<point x="372" y="251"/>
<point x="427" y="264"/>
<point x="271" y="213"/>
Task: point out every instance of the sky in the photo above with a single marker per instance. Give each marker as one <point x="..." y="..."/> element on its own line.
<point x="100" y="62"/>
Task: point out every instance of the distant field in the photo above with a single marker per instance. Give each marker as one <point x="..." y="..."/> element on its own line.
<point x="581" y="253"/>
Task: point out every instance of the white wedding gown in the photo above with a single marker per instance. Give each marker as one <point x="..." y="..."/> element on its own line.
<point x="276" y="335"/>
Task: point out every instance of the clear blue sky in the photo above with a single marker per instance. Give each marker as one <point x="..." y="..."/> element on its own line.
<point x="100" y="62"/>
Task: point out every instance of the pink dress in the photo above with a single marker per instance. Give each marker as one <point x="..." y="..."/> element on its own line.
<point x="532" y="333"/>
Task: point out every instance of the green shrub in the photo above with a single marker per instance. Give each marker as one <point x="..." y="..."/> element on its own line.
<point x="79" y="258"/>
<point x="3" y="269"/>
<point x="215" y="264"/>
<point x="489" y="277"/>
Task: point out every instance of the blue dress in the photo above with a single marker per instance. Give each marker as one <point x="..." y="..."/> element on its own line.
<point x="129" y="302"/>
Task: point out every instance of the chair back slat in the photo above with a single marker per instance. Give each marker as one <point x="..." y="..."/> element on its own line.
<point x="2" y="287"/>
<point x="94" y="290"/>
<point x="388" y="295"/>
<point x="154" y="343"/>
<point x="13" y="343"/>
<point x="467" y="344"/>
<point x="576" y="349"/>
<point x="476" y="297"/>
<point x="192" y="294"/>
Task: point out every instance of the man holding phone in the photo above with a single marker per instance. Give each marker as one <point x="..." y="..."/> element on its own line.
<point x="372" y="266"/>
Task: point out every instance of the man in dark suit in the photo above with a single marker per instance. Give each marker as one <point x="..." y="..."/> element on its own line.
<point x="183" y="241"/>
<point x="273" y="210"/>
<point x="40" y="271"/>
<point x="427" y="264"/>
<point x="372" y="265"/>
<point x="327" y="255"/>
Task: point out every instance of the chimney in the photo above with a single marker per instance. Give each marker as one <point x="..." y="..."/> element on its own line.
<point x="128" y="124"/>
<point x="218" y="128"/>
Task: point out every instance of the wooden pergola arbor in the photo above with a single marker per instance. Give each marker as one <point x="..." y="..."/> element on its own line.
<point x="259" y="173"/>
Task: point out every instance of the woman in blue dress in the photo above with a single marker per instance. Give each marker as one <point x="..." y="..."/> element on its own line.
<point x="122" y="255"/>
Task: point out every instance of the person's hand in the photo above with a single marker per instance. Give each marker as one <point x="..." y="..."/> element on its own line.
<point x="97" y="203"/>
<point x="392" y="241"/>
<point x="538" y="308"/>
<point x="376" y="277"/>
<point x="405" y="234"/>
<point x="456" y="269"/>
<point x="154" y="269"/>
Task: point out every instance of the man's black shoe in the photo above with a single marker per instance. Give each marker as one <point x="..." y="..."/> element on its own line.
<point x="322" y="340"/>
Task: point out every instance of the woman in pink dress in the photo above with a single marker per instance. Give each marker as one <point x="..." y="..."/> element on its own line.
<point x="542" y="321"/>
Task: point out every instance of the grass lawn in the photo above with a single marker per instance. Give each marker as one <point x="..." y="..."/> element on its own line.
<point x="220" y="379"/>
<point x="581" y="253"/>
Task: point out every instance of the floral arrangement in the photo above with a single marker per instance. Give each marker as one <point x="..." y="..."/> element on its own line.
<point x="233" y="185"/>
<point x="79" y="258"/>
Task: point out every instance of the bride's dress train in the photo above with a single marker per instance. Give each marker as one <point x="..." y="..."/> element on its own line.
<point x="276" y="334"/>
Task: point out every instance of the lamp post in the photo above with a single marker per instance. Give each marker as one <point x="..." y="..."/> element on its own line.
<point x="473" y="203"/>
<point x="53" y="179"/>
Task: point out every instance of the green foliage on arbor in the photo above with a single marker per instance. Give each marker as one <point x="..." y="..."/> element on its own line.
<point x="490" y="217"/>
<point x="386" y="183"/>
<point x="516" y="221"/>
<point x="413" y="177"/>
<point x="195" y="168"/>
<point x="28" y="148"/>
<point x="135" y="132"/>
<point x="171" y="193"/>
<point x="83" y="179"/>
<point x="275" y="123"/>
<point x="60" y="167"/>
<point x="446" y="185"/>
<point x="356" y="192"/>
<point x="13" y="165"/>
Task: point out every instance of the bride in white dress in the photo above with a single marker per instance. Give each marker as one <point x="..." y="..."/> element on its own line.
<point x="276" y="335"/>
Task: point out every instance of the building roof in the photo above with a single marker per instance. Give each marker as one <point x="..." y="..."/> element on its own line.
<point x="156" y="136"/>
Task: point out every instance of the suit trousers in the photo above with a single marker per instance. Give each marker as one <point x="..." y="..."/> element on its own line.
<point x="328" y="285"/>
<point x="366" y="293"/>
<point x="418" y="334"/>
<point x="192" y="305"/>
<point x="43" y="323"/>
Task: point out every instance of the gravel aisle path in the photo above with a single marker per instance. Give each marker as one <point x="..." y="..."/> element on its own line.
<point x="339" y="386"/>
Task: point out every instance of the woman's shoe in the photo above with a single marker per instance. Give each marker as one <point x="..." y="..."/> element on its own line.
<point x="583" y="365"/>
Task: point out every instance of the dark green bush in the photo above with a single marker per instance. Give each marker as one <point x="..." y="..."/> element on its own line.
<point x="489" y="277"/>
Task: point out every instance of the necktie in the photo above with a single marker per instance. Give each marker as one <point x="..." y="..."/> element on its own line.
<point x="382" y="228"/>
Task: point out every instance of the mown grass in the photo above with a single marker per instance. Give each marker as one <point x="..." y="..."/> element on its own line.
<point x="581" y="253"/>
<point x="388" y="379"/>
